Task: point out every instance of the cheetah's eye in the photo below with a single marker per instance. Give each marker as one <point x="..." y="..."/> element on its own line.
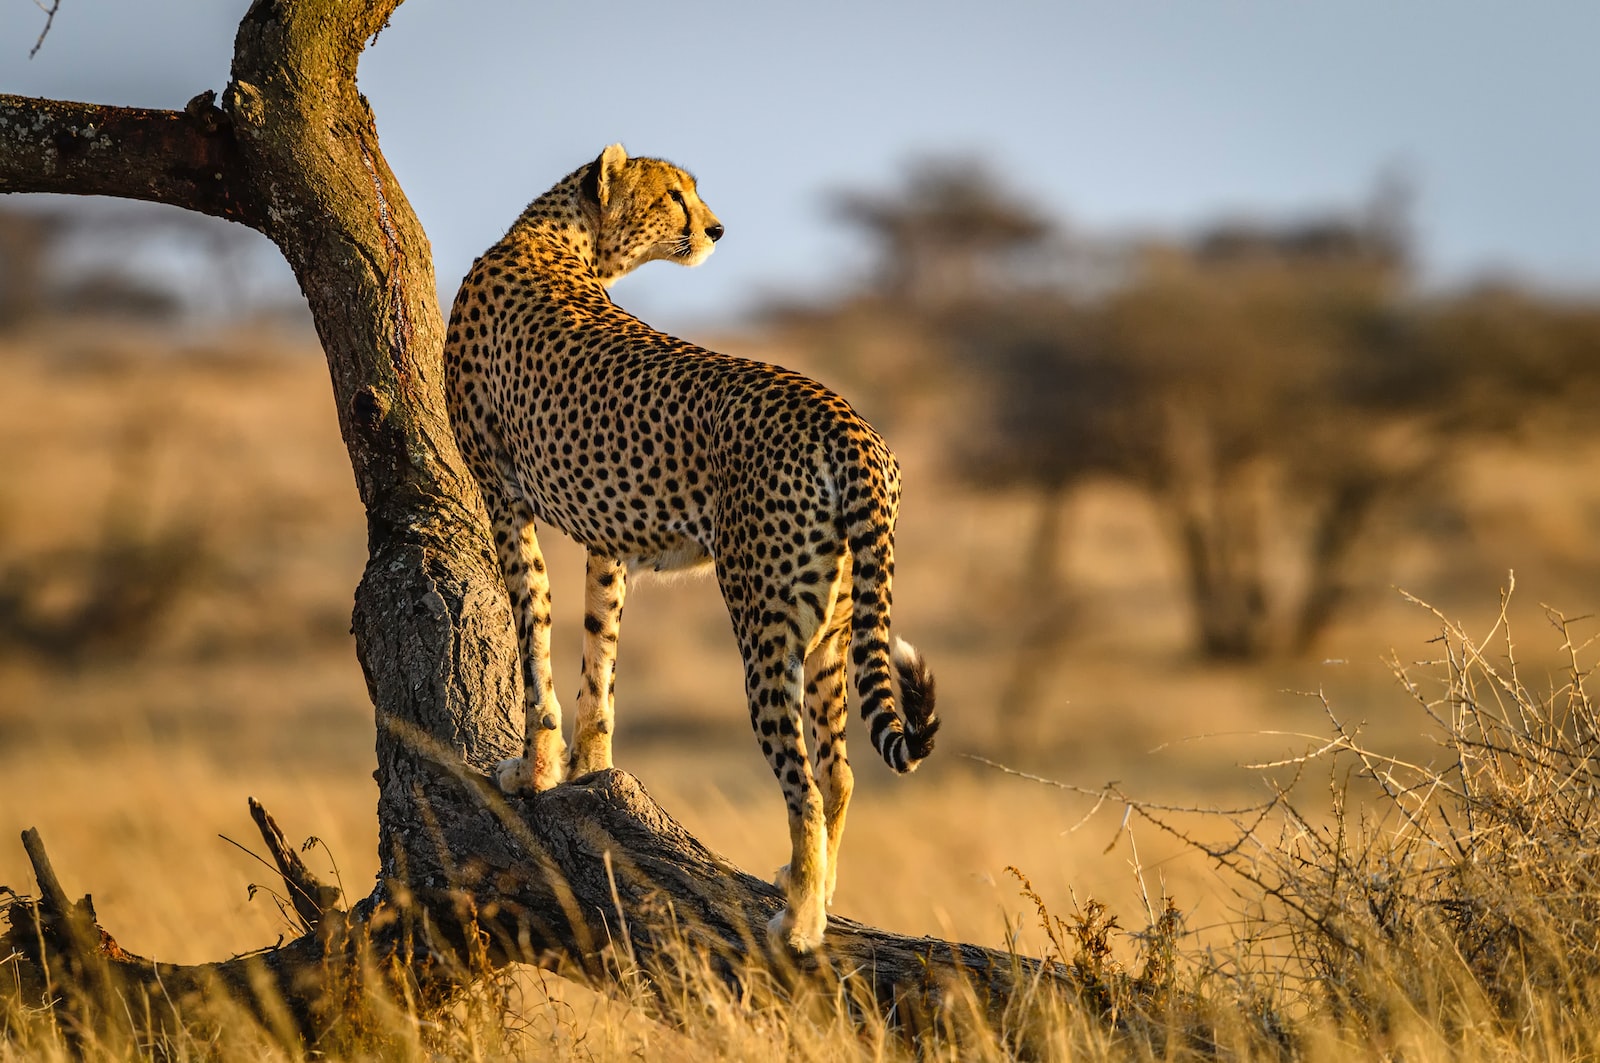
<point x="677" y="197"/>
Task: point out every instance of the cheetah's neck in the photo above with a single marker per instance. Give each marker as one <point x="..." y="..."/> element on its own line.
<point x="560" y="233"/>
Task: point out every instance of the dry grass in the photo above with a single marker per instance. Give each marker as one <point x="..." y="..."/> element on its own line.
<point x="131" y="761"/>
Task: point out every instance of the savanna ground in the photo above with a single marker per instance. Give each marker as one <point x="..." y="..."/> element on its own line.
<point x="210" y="463"/>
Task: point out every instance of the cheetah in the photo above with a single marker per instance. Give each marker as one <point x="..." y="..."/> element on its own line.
<point x="658" y="455"/>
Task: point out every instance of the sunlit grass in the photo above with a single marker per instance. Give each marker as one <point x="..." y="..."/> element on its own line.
<point x="1383" y="907"/>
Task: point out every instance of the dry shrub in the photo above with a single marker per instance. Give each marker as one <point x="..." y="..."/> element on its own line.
<point x="1440" y="909"/>
<point x="1469" y="890"/>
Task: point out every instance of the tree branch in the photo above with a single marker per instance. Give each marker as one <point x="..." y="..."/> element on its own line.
<point x="313" y="900"/>
<point x="183" y="158"/>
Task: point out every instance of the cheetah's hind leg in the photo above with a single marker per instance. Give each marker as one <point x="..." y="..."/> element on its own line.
<point x="773" y="678"/>
<point x="826" y="706"/>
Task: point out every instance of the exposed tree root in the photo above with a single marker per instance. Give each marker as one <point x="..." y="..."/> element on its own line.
<point x="592" y="880"/>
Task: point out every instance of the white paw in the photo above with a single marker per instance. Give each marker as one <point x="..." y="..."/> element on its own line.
<point x="518" y="775"/>
<point x="798" y="936"/>
<point x="514" y="775"/>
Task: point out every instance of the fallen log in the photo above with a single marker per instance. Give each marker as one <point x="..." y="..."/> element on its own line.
<point x="593" y="880"/>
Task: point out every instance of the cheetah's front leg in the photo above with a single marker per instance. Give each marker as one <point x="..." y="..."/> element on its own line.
<point x="527" y="582"/>
<point x="607" y="586"/>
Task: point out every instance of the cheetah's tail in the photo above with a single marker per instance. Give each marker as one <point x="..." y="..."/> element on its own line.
<point x="893" y="683"/>
<point x="914" y="695"/>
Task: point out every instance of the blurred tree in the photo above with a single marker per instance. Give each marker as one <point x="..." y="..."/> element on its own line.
<point x="110" y="597"/>
<point x="25" y="237"/>
<point x="1509" y="359"/>
<point x="151" y="260"/>
<point x="1247" y="380"/>
<point x="1253" y="401"/>
<point x="952" y="233"/>
<point x="1050" y="406"/>
<point x="1261" y="382"/>
<point x="131" y="261"/>
<point x="1267" y="423"/>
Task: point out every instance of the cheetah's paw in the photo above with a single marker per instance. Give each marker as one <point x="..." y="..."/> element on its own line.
<point x="518" y="775"/>
<point x="799" y="936"/>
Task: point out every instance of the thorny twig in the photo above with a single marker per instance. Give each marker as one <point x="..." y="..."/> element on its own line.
<point x="1480" y="875"/>
<point x="49" y="20"/>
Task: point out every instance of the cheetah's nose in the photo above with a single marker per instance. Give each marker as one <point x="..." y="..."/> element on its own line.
<point x="715" y="231"/>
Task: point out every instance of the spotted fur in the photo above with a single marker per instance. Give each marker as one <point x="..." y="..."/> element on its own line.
<point x="657" y="454"/>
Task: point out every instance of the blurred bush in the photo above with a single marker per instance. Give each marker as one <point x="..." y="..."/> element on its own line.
<point x="25" y="239"/>
<point x="110" y="596"/>
<point x="73" y="259"/>
<point x="1269" y="386"/>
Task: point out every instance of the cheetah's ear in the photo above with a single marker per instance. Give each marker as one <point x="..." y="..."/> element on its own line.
<point x="599" y="180"/>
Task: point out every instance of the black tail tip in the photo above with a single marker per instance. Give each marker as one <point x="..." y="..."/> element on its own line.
<point x="919" y="740"/>
<point x="915" y="699"/>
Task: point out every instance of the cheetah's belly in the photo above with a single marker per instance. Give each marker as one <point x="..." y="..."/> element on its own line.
<point x="652" y="550"/>
<point x="651" y="539"/>
<point x="677" y="554"/>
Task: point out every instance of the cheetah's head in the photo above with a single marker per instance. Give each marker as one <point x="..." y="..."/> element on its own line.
<point x="646" y="209"/>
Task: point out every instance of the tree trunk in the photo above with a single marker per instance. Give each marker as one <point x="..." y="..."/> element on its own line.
<point x="1040" y="630"/>
<point x="1336" y="528"/>
<point x="1213" y="507"/>
<point x="469" y="879"/>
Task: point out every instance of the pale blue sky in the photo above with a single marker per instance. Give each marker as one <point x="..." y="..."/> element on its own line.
<point x="1118" y="114"/>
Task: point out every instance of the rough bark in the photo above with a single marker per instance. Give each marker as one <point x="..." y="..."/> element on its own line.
<point x="468" y="879"/>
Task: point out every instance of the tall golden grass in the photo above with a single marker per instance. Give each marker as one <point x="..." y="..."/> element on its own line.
<point x="1384" y="908"/>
